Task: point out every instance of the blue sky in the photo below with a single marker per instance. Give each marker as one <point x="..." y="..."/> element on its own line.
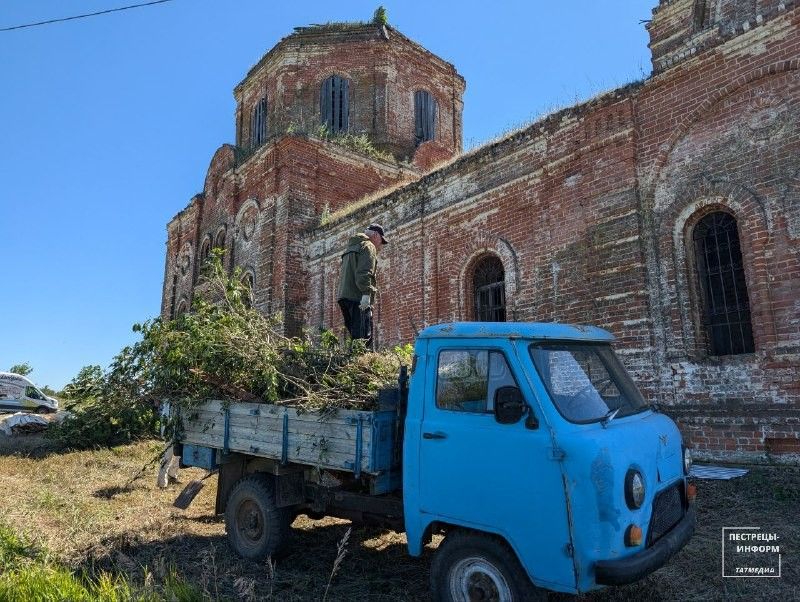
<point x="107" y="126"/>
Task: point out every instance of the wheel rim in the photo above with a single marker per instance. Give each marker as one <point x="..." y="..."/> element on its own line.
<point x="250" y="522"/>
<point x="477" y="580"/>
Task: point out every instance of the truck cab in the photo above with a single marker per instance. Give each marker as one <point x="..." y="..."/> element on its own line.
<point x="532" y="444"/>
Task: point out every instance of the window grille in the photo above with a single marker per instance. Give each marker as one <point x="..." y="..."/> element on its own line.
<point x="258" y="124"/>
<point x="723" y="289"/>
<point x="334" y="100"/>
<point x="488" y="282"/>
<point x="425" y="109"/>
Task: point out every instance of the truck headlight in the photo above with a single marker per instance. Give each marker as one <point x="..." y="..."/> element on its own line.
<point x="687" y="461"/>
<point x="634" y="489"/>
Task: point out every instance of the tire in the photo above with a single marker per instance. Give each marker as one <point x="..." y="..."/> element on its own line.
<point x="256" y="528"/>
<point x="44" y="410"/>
<point x="472" y="566"/>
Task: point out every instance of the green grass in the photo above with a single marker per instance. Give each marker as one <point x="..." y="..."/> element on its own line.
<point x="28" y="575"/>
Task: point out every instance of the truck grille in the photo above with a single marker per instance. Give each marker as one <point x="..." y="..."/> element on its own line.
<point x="668" y="508"/>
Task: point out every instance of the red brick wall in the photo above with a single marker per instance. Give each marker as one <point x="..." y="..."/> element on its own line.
<point x="683" y="29"/>
<point x="720" y="133"/>
<point x="262" y="204"/>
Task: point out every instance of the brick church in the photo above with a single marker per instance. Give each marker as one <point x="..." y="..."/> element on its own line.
<point x="666" y="211"/>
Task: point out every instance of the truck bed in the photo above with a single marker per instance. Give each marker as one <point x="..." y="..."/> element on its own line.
<point x="348" y="440"/>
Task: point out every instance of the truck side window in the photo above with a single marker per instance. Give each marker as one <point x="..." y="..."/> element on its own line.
<point x="468" y="378"/>
<point x="33" y="393"/>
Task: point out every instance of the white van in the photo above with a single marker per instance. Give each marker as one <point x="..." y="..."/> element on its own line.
<point x="18" y="393"/>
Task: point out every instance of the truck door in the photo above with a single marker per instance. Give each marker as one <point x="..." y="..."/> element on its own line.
<point x="476" y="472"/>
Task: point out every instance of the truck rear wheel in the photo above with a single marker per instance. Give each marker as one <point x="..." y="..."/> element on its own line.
<point x="472" y="566"/>
<point x="256" y="527"/>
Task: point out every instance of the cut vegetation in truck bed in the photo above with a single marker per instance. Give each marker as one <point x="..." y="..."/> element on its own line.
<point x="224" y="349"/>
<point x="76" y="506"/>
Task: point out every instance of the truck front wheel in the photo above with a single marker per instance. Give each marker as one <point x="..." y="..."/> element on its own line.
<point x="256" y="527"/>
<point x="472" y="566"/>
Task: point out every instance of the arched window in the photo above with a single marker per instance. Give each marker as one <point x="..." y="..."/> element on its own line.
<point x="488" y="283"/>
<point x="424" y="116"/>
<point x="219" y="239"/>
<point x="724" y="304"/>
<point x="248" y="280"/>
<point x="182" y="307"/>
<point x="334" y="104"/>
<point x="205" y="249"/>
<point x="258" y="124"/>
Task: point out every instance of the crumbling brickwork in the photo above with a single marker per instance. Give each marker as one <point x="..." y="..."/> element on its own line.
<point x="592" y="211"/>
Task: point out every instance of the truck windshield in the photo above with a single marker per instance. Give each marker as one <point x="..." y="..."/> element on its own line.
<point x="586" y="381"/>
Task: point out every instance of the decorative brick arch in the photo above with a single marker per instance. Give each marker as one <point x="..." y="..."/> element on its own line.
<point x="480" y="246"/>
<point x="182" y="307"/>
<point x="755" y="240"/>
<point x="223" y="159"/>
<point x="239" y="227"/>
<point x="706" y="107"/>
<point x="184" y="261"/>
<point x="321" y="76"/>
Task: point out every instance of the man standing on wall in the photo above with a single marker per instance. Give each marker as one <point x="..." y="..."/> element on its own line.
<point x="357" y="282"/>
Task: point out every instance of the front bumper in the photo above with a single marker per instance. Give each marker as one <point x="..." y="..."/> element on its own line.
<point x="632" y="568"/>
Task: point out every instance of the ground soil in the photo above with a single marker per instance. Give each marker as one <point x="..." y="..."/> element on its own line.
<point x="82" y="508"/>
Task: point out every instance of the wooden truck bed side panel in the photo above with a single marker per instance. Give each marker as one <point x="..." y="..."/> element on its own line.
<point x="283" y="433"/>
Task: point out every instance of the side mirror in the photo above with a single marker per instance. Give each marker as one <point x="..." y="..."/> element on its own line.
<point x="509" y="405"/>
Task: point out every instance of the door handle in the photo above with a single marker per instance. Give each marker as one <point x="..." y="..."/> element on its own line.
<point x="436" y="435"/>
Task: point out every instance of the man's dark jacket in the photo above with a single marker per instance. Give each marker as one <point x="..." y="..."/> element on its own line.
<point x="359" y="263"/>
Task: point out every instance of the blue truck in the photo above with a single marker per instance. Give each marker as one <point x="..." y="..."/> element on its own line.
<point x="527" y="445"/>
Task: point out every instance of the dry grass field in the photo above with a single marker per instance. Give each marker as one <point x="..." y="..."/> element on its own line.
<point x="76" y="506"/>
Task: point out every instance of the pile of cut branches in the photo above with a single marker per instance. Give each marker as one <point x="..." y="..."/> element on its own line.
<point x="224" y="349"/>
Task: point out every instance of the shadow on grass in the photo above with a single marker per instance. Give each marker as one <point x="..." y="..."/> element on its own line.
<point x="34" y="445"/>
<point x="376" y="565"/>
<point x="109" y="493"/>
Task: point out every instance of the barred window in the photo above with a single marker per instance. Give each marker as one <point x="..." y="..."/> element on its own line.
<point x="334" y="104"/>
<point x="723" y="290"/>
<point x="425" y="109"/>
<point x="488" y="282"/>
<point x="258" y="124"/>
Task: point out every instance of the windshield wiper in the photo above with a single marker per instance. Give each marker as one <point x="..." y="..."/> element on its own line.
<point x="609" y="417"/>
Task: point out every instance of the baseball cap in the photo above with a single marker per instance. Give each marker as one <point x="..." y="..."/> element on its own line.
<point x="379" y="229"/>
